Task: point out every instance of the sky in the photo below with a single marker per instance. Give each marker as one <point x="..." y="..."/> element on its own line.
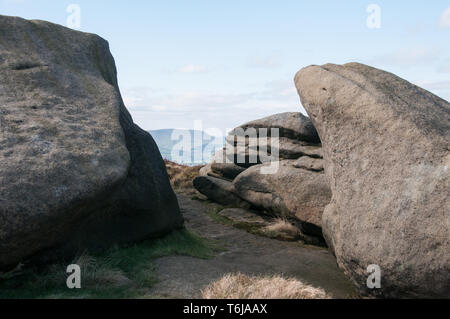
<point x="225" y="63"/>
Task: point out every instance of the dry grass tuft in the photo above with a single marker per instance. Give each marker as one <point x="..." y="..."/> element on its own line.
<point x="181" y="176"/>
<point x="239" y="286"/>
<point x="281" y="228"/>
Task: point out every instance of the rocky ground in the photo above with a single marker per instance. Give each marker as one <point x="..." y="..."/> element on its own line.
<point x="185" y="277"/>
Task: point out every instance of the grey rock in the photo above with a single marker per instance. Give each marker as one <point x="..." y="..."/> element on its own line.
<point x="386" y="146"/>
<point x="250" y="151"/>
<point x="297" y="137"/>
<point x="241" y="155"/>
<point x="310" y="164"/>
<point x="219" y="190"/>
<point x="205" y="170"/>
<point x="291" y="149"/>
<point x="75" y="172"/>
<point x="293" y="125"/>
<point x="243" y="216"/>
<point x="228" y="171"/>
<point x="289" y="193"/>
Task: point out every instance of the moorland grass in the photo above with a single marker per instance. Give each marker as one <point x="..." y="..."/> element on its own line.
<point x="125" y="272"/>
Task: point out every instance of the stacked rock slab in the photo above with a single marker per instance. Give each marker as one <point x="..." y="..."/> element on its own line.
<point x="219" y="190"/>
<point x="387" y="156"/>
<point x="291" y="192"/>
<point x="75" y="171"/>
<point x="295" y="188"/>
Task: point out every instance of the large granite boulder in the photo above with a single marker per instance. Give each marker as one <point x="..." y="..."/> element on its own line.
<point x="289" y="193"/>
<point x="75" y="172"/>
<point x="387" y="155"/>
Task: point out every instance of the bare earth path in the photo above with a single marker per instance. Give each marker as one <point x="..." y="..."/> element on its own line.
<point x="185" y="277"/>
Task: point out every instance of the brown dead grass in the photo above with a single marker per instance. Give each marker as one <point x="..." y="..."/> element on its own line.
<point x="181" y="176"/>
<point x="281" y="228"/>
<point x="239" y="286"/>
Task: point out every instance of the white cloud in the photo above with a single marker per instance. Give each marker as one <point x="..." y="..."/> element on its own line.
<point x="444" y="21"/>
<point x="192" y="68"/>
<point x="138" y="95"/>
<point x="192" y="101"/>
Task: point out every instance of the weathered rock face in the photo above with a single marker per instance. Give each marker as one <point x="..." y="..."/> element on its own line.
<point x="219" y="190"/>
<point x="206" y="170"/>
<point x="386" y="148"/>
<point x="310" y="164"/>
<point x="75" y="172"/>
<point x="297" y="137"/>
<point x="290" y="193"/>
<point x="294" y="126"/>
<point x="227" y="170"/>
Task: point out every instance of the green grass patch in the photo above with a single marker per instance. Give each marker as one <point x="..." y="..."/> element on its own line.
<point x="213" y="213"/>
<point x="125" y="272"/>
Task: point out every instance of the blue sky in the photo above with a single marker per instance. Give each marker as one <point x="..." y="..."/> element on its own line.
<point x="228" y="62"/>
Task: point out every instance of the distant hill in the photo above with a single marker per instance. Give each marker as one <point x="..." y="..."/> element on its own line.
<point x="189" y="153"/>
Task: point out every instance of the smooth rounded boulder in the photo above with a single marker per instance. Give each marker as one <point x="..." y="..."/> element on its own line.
<point x="387" y="154"/>
<point x="76" y="173"/>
